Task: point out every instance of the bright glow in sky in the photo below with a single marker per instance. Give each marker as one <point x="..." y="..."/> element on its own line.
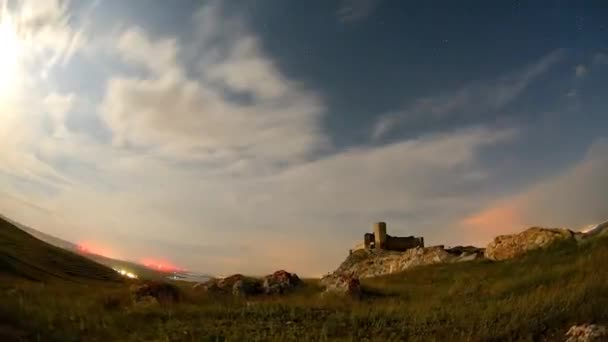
<point x="231" y="137"/>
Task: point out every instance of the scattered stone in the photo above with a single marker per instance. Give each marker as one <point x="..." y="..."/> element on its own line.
<point x="342" y="284"/>
<point x="510" y="246"/>
<point x="280" y="282"/>
<point x="587" y="333"/>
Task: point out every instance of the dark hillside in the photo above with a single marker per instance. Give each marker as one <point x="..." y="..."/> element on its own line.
<point x="23" y="256"/>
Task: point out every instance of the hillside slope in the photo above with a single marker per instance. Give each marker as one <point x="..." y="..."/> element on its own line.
<point x="129" y="266"/>
<point x="23" y="256"/>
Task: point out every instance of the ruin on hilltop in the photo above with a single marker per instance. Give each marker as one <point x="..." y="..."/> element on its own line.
<point x="380" y="240"/>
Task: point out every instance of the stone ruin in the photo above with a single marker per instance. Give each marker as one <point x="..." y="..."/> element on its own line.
<point x="379" y="240"/>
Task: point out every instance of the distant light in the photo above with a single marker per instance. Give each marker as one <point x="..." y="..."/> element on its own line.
<point x="126" y="273"/>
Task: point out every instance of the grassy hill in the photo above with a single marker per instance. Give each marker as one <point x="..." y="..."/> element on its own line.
<point x="24" y="256"/>
<point x="534" y="298"/>
<point x="135" y="268"/>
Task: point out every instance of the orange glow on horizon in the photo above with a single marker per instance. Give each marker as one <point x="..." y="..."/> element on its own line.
<point x="88" y="247"/>
<point x="490" y="222"/>
<point x="160" y="265"/>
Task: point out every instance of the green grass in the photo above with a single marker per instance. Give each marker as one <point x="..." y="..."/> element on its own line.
<point x="534" y="298"/>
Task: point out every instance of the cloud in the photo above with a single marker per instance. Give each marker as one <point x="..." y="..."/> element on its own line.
<point x="356" y="10"/>
<point x="57" y="106"/>
<point x="580" y="70"/>
<point x="478" y="97"/>
<point x="215" y="154"/>
<point x="240" y="107"/>
<point x="572" y="199"/>
<point x="223" y="158"/>
<point x="308" y="214"/>
<point x="136" y="47"/>
<point x="600" y="58"/>
<point x="48" y="31"/>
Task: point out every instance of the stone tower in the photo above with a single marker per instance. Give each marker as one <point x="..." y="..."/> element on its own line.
<point x="380" y="235"/>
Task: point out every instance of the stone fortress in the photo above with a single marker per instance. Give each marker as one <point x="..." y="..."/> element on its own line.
<point x="379" y="240"/>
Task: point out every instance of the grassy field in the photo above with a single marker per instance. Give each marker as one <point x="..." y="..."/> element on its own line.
<point x="534" y="298"/>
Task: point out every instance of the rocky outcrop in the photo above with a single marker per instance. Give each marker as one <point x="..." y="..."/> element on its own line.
<point x="587" y="333"/>
<point x="279" y="282"/>
<point x="466" y="253"/>
<point x="220" y="285"/>
<point x="510" y="246"/>
<point x="342" y="284"/>
<point x="246" y="287"/>
<point x="597" y="230"/>
<point x="373" y="263"/>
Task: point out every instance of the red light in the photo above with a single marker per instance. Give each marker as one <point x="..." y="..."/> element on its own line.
<point x="160" y="265"/>
<point x="88" y="247"/>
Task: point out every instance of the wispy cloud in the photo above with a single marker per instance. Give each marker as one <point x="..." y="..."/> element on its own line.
<point x="600" y="58"/>
<point x="474" y="98"/>
<point x="580" y="70"/>
<point x="351" y="11"/>
<point x="241" y="107"/>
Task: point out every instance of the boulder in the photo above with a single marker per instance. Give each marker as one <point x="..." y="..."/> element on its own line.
<point x="162" y="292"/>
<point x="510" y="246"/>
<point x="280" y="282"/>
<point x="596" y="230"/>
<point x="240" y="285"/>
<point x="246" y="287"/>
<point x="342" y="284"/>
<point x="587" y="333"/>
<point x="220" y="285"/>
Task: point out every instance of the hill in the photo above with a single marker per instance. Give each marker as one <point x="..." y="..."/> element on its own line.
<point x="534" y="297"/>
<point x="26" y="257"/>
<point x="128" y="266"/>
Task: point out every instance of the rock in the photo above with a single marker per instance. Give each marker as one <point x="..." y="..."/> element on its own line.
<point x="466" y="253"/>
<point x="342" y="284"/>
<point x="217" y="285"/>
<point x="587" y="333"/>
<point x="163" y="292"/>
<point x="238" y="289"/>
<point x="373" y="263"/>
<point x="280" y="282"/>
<point x="246" y="287"/>
<point x="600" y="229"/>
<point x="236" y="284"/>
<point x="510" y="246"/>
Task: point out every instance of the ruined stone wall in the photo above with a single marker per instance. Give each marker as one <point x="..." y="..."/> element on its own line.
<point x="394" y="243"/>
<point x="380" y="235"/>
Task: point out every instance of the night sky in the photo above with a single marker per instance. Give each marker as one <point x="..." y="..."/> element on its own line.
<point x="248" y="136"/>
